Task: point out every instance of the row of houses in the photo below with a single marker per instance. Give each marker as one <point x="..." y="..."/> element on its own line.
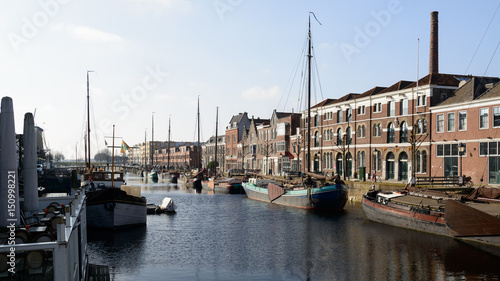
<point x="444" y="125"/>
<point x="440" y="125"/>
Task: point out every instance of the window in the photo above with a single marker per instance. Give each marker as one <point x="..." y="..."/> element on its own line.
<point x="316" y="139"/>
<point x="440" y="123"/>
<point x="377" y="107"/>
<point x="281" y="146"/>
<point x="421" y="101"/>
<point x="377" y="160"/>
<point x="391" y="109"/>
<point x="462" y="120"/>
<point x="451" y="122"/>
<point x="390" y="133"/>
<point x="349" y="115"/>
<point x="316" y="120"/>
<point x="339" y="116"/>
<point x="361" y="110"/>
<point x="439" y="150"/>
<point x="361" y="159"/>
<point x="377" y="130"/>
<point x="339" y="137"/>
<point x="483" y="148"/>
<point x="496" y="116"/>
<point x="403" y="107"/>
<point x="361" y="131"/>
<point x="403" y="136"/>
<point x="483" y="118"/>
<point x="421" y="162"/>
<point x="492" y="148"/>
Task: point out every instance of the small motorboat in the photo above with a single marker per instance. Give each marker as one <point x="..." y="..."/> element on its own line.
<point x="167" y="206"/>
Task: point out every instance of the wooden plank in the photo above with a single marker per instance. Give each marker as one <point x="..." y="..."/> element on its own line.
<point x="463" y="220"/>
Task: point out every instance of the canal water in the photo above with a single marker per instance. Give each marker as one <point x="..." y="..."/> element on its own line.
<point x="231" y="237"/>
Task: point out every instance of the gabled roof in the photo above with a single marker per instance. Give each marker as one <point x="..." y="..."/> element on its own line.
<point x="474" y="89"/>
<point x="324" y="103"/>
<point x="372" y="91"/>
<point x="280" y="115"/>
<point x="440" y="79"/>
<point x="402" y="84"/>
<point x="347" y="97"/>
<point x="237" y="118"/>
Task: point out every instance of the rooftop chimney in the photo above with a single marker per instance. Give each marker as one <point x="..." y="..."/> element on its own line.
<point x="434" y="46"/>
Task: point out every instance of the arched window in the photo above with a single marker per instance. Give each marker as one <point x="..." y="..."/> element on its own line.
<point x="389" y="166"/>
<point x="403" y="135"/>
<point x="377" y="160"/>
<point x="363" y="130"/>
<point x="339" y="116"/>
<point x="316" y="139"/>
<point x="390" y="133"/>
<point x="361" y="159"/>
<point x="339" y="136"/>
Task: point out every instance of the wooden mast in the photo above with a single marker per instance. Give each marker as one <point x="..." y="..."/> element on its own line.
<point x="168" y="145"/>
<point x="199" y="150"/>
<point x="309" y="56"/>
<point x="216" y="125"/>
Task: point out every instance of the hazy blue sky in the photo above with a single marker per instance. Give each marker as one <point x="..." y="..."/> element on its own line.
<point x="160" y="55"/>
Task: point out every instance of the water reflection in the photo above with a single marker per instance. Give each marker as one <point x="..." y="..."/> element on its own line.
<point x="230" y="237"/>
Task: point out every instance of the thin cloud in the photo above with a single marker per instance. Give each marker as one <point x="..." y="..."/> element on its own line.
<point x="87" y="34"/>
<point x="258" y="93"/>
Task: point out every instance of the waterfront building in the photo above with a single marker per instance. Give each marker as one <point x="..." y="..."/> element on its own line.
<point x="234" y="132"/>
<point x="208" y="151"/>
<point x="409" y="129"/>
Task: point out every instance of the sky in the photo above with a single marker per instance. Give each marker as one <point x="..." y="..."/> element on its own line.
<point x="156" y="58"/>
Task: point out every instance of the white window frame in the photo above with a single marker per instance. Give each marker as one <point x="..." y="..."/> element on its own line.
<point x="437" y="123"/>
<point x="465" y="125"/>
<point x="448" y="122"/>
<point x="485" y="126"/>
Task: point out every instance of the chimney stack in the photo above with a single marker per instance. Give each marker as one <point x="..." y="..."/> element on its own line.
<point x="434" y="45"/>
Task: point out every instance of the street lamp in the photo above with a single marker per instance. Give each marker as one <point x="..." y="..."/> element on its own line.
<point x="374" y="163"/>
<point x="461" y="150"/>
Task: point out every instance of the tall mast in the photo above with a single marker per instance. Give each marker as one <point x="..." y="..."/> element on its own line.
<point x="145" y="152"/>
<point x="199" y="150"/>
<point x="216" y="125"/>
<point x="113" y="159"/>
<point x="168" y="149"/>
<point x="309" y="56"/>
<point x="88" y="119"/>
<point x="152" y="138"/>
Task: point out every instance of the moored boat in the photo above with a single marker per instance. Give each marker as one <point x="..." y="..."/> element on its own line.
<point x="331" y="196"/>
<point x="404" y="210"/>
<point x="113" y="204"/>
<point x="448" y="216"/>
<point x="225" y="186"/>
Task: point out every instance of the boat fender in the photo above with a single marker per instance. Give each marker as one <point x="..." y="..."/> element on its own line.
<point x="109" y="206"/>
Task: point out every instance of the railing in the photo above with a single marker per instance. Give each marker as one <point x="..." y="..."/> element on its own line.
<point x="64" y="258"/>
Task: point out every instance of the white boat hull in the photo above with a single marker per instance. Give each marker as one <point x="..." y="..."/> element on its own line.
<point x="115" y="214"/>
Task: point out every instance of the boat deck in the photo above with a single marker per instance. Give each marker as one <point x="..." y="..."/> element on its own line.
<point x="410" y="200"/>
<point x="491" y="209"/>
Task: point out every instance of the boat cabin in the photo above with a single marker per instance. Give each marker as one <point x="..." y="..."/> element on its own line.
<point x="383" y="198"/>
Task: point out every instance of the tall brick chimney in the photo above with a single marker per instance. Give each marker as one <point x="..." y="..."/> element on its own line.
<point x="434" y="46"/>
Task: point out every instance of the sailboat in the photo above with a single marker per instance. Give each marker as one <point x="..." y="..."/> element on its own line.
<point x="322" y="194"/>
<point x="153" y="174"/>
<point x="110" y="203"/>
<point x="221" y="185"/>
